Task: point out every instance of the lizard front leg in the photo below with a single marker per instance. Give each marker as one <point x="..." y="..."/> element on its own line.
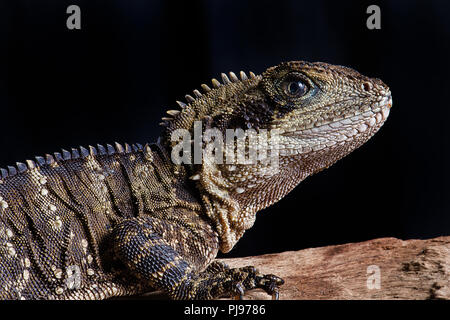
<point x="151" y="249"/>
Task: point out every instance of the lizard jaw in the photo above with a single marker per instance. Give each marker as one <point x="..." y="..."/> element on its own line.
<point x="329" y="135"/>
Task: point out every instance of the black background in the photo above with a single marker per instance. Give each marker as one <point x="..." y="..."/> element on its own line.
<point x="113" y="80"/>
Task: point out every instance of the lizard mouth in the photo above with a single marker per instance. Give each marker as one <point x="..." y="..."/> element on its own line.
<point x="360" y="121"/>
<point x="339" y="132"/>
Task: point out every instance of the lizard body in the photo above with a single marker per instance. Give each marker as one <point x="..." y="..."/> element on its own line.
<point x="122" y="220"/>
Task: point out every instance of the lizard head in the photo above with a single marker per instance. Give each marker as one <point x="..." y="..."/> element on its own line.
<point x="323" y="112"/>
<point x="310" y="115"/>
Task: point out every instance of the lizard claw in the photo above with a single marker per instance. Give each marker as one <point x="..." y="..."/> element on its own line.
<point x="270" y="283"/>
<point x="238" y="291"/>
<point x="275" y="295"/>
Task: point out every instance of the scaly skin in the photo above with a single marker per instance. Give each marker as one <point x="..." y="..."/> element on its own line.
<point x="104" y="222"/>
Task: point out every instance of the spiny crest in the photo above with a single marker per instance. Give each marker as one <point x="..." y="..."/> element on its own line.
<point x="65" y="155"/>
<point x="215" y="84"/>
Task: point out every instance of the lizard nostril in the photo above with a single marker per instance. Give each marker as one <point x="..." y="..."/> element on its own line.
<point x="367" y="86"/>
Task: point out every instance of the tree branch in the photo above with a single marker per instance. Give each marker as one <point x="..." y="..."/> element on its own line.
<point x="385" y="268"/>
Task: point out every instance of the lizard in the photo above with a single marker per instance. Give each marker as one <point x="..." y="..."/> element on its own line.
<point x="121" y="220"/>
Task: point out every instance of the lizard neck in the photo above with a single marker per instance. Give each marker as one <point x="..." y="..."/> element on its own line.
<point x="233" y="194"/>
<point x="231" y="201"/>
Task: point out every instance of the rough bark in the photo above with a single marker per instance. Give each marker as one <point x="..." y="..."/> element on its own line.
<point x="413" y="269"/>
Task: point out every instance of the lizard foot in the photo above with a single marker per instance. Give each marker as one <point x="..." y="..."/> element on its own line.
<point x="254" y="279"/>
<point x="235" y="282"/>
<point x="218" y="280"/>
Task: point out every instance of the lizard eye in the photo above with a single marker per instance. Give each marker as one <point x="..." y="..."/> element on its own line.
<point x="295" y="87"/>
